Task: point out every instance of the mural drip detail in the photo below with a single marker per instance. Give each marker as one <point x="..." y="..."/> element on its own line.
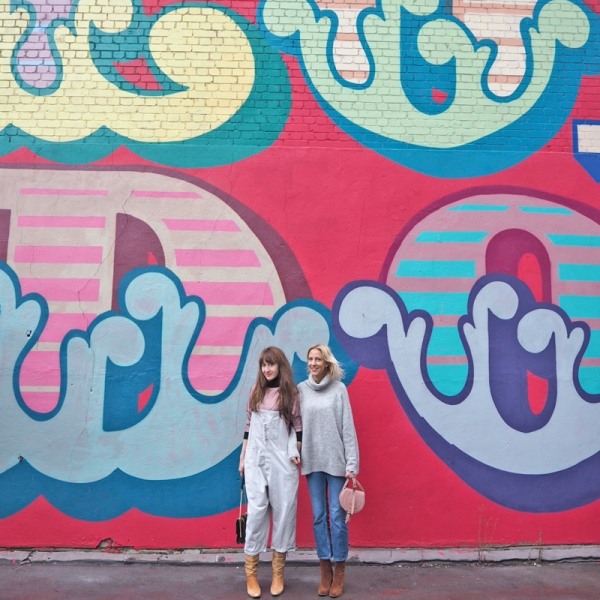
<point x="136" y="450"/>
<point x="483" y="430"/>
<point x="180" y="432"/>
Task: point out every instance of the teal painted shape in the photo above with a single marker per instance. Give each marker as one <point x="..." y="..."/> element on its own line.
<point x="581" y="307"/>
<point x="593" y="349"/>
<point x="479" y="208"/>
<point x="392" y="39"/>
<point x="434" y="269"/>
<point x="445" y="341"/>
<point x="449" y="303"/>
<point x="589" y="378"/>
<point x="451" y="237"/>
<point x="584" y="241"/>
<point x="549" y="210"/>
<point x="569" y="272"/>
<point x="448" y="379"/>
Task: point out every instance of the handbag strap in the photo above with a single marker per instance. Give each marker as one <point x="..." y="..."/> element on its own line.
<point x="355" y="483"/>
<point x="242" y="490"/>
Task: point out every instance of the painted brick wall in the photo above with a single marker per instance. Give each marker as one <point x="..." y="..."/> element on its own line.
<point x="413" y="182"/>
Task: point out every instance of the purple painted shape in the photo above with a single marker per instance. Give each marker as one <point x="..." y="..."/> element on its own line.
<point x="136" y="245"/>
<point x="509" y="364"/>
<point x="505" y="250"/>
<point x="216" y="258"/>
<point x="34" y="61"/>
<point x="4" y="233"/>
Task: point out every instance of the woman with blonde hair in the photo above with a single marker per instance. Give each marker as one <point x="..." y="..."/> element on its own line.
<point x="269" y="459"/>
<point x="329" y="455"/>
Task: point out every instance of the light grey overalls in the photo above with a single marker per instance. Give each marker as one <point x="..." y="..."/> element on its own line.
<point x="271" y="483"/>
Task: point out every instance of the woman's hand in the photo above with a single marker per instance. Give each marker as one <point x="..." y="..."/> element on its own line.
<point x="295" y="460"/>
<point x="243" y="457"/>
<point x="350" y="475"/>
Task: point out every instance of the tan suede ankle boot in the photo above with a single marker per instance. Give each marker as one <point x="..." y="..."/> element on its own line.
<point x="326" y="578"/>
<point x="278" y="567"/>
<point x="252" y="586"/>
<point x="337" y="587"/>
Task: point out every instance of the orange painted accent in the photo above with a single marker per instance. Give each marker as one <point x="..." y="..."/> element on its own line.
<point x="529" y="272"/>
<point x="144" y="397"/>
<point x="537" y="392"/>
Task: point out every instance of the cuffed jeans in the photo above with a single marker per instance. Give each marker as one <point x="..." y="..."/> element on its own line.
<point x="329" y="518"/>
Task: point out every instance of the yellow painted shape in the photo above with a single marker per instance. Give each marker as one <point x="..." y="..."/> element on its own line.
<point x="198" y="47"/>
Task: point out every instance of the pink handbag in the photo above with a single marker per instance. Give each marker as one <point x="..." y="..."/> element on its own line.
<point x="352" y="499"/>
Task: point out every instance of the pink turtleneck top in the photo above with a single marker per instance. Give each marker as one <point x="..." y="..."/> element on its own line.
<point x="271" y="402"/>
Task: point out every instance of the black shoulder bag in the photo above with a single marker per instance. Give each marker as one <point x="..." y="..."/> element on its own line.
<point x="240" y="524"/>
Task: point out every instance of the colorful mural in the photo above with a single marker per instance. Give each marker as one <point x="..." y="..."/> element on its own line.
<point x="170" y="404"/>
<point x="429" y="77"/>
<point x="125" y="78"/>
<point x="413" y="182"/>
<point x="493" y="371"/>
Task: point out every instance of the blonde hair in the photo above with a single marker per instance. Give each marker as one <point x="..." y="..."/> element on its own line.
<point x="332" y="368"/>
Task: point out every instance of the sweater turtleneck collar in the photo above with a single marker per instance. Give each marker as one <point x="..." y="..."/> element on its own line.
<point x="313" y="385"/>
<point x="274" y="383"/>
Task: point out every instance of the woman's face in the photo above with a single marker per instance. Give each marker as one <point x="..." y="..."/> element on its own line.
<point x="316" y="365"/>
<point x="270" y="371"/>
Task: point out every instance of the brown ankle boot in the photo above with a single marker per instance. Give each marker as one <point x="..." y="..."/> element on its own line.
<point x="337" y="587"/>
<point x="252" y="586"/>
<point x="278" y="567"/>
<point x="326" y="578"/>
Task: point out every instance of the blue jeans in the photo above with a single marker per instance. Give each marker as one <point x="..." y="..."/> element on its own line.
<point x="329" y="522"/>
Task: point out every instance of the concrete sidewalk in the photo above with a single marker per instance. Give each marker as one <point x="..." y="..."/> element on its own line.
<point x="377" y="556"/>
<point x="426" y="581"/>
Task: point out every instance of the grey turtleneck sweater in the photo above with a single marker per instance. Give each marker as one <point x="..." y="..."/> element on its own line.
<point x="329" y="439"/>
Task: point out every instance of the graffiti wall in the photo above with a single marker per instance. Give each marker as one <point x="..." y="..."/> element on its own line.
<point x="414" y="182"/>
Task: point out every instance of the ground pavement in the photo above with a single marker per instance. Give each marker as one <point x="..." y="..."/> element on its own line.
<point x="425" y="581"/>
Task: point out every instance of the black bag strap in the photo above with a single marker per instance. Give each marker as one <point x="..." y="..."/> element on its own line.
<point x="242" y="490"/>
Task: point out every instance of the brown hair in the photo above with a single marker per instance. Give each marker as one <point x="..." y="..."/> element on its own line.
<point x="288" y="392"/>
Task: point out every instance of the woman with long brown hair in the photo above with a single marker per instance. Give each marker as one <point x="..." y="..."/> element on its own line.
<point x="269" y="459"/>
